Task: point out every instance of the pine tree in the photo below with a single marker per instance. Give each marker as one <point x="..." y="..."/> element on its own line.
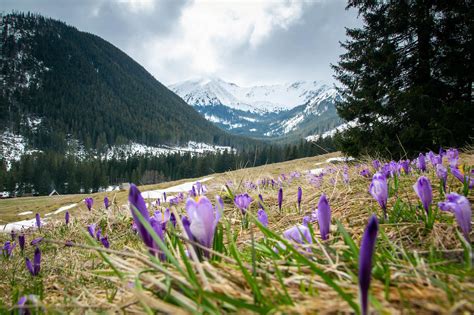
<point x="407" y="77"/>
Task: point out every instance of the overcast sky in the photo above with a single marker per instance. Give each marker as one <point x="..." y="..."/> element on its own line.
<point x="243" y="41"/>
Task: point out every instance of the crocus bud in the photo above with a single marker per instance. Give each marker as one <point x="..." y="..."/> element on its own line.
<point x="38" y="220"/>
<point x="379" y="190"/>
<point x="21" y="241"/>
<point x="367" y="248"/>
<point x="280" y="198"/>
<point x="423" y="189"/>
<point x="324" y="217"/>
<point x="300" y="194"/>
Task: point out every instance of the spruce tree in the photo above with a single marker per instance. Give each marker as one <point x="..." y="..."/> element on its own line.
<point x="407" y="77"/>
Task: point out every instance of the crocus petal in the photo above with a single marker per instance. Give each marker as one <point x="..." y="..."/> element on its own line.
<point x="280" y="198"/>
<point x="324" y="217"/>
<point x="36" y="241"/>
<point x="300" y="194"/>
<point x="105" y="241"/>
<point x="365" y="260"/>
<point x="38" y="220"/>
<point x="21" y="241"/>
<point x="299" y="234"/>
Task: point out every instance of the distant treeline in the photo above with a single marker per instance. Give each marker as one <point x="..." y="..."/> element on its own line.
<point x="40" y="173"/>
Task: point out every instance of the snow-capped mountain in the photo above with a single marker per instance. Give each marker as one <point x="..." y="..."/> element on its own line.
<point x="298" y="108"/>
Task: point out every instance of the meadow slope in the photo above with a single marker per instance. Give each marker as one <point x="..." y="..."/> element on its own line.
<point x="250" y="269"/>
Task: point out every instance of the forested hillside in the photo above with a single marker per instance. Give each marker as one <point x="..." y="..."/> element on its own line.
<point x="61" y="84"/>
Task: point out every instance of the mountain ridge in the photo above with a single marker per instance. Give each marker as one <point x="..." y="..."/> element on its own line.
<point x="290" y="110"/>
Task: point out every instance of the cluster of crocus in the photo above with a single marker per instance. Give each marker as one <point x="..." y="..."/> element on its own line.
<point x="97" y="234"/>
<point x="367" y="248"/>
<point x="379" y="190"/>
<point x="424" y="191"/>
<point x="34" y="268"/>
<point x="242" y="201"/>
<point x="324" y="217"/>
<point x="139" y="209"/>
<point x="89" y="202"/>
<point x="202" y="220"/>
<point x="461" y="208"/>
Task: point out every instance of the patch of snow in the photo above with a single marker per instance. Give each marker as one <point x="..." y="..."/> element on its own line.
<point x="332" y="132"/>
<point x="20" y="225"/>
<point x="154" y="194"/>
<point x="253" y="129"/>
<point x="12" y="147"/>
<point x="316" y="171"/>
<point x="340" y="159"/>
<point x="291" y="123"/>
<point x="25" y="213"/>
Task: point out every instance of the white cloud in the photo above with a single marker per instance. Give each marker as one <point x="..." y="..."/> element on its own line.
<point x="207" y="30"/>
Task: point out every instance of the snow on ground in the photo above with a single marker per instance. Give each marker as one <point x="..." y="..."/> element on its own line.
<point x="19" y="225"/>
<point x="317" y="171"/>
<point x="25" y="213"/>
<point x="59" y="210"/>
<point x="340" y="159"/>
<point x="154" y="194"/>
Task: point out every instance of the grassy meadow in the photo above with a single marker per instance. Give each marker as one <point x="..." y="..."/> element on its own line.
<point x="251" y="268"/>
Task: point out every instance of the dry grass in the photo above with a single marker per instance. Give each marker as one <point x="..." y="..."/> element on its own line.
<point x="416" y="270"/>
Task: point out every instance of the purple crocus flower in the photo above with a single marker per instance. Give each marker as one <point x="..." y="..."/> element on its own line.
<point x="137" y="205"/>
<point x="91" y="230"/>
<point x="89" y="202"/>
<point x="405" y="165"/>
<point x="299" y="234"/>
<point x="463" y="177"/>
<point x="38" y="220"/>
<point x="164" y="196"/>
<point x="21" y="241"/>
<point x="423" y="189"/>
<point x="306" y="220"/>
<point x="106" y="202"/>
<point x="36" y="241"/>
<point x="324" y="217"/>
<point x="203" y="221"/>
<point x="300" y="194"/>
<point x="280" y="198"/>
<point x="34" y="268"/>
<point x="8" y="248"/>
<point x="379" y="190"/>
<point x="365" y="172"/>
<point x="367" y="248"/>
<point x="199" y="188"/>
<point x="421" y="163"/>
<point x="453" y="157"/>
<point x="460" y="206"/>
<point x="376" y="164"/>
<point x="242" y="201"/>
<point x="158" y="202"/>
<point x="98" y="234"/>
<point x="104" y="240"/>
<point x="262" y="217"/>
<point x="22" y="309"/>
<point x="442" y="174"/>
<point x="66" y="217"/>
